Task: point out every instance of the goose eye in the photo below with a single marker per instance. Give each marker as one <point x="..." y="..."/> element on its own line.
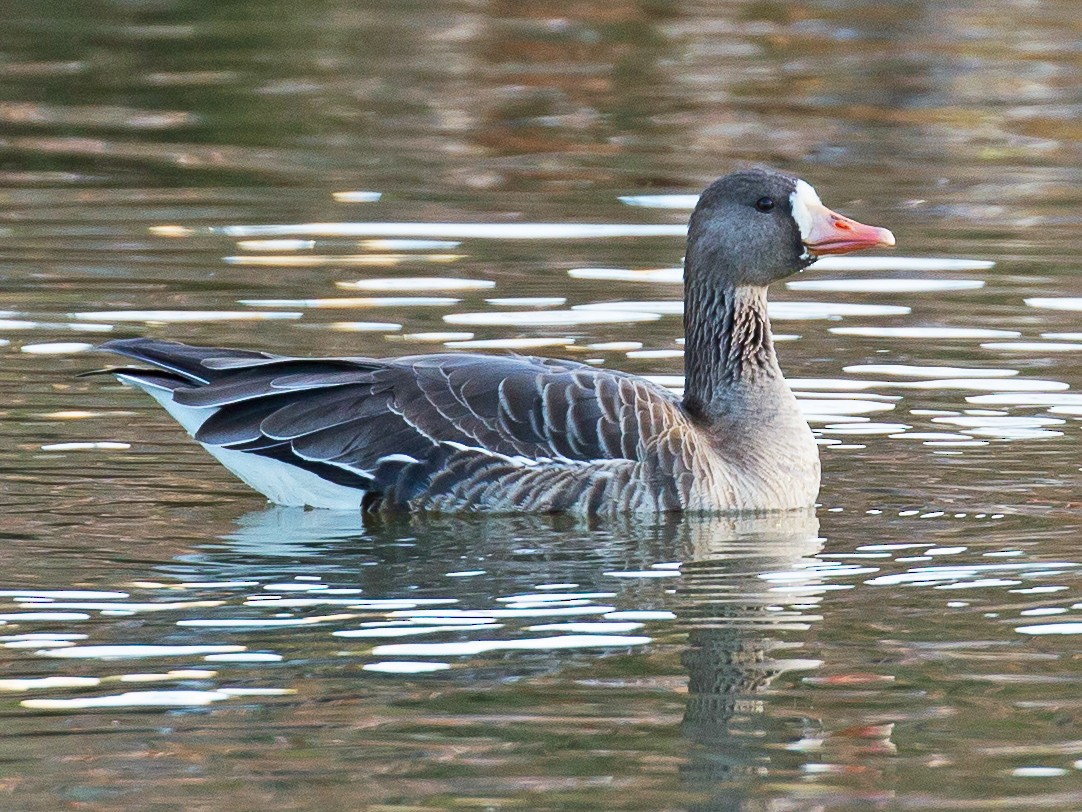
<point x="765" y="204"/>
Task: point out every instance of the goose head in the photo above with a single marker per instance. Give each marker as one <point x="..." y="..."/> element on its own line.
<point x="756" y="226"/>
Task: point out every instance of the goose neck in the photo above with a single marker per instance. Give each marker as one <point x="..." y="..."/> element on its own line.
<point x="729" y="350"/>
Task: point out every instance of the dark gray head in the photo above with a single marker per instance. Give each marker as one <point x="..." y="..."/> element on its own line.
<point x="759" y="225"/>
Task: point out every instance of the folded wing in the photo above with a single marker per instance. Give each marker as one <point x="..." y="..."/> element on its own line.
<point x="472" y="429"/>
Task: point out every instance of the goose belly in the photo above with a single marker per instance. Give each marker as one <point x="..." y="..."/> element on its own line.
<point x="285" y="484"/>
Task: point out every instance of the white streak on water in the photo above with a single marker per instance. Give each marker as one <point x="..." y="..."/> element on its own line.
<point x="931" y="436"/>
<point x="643" y="574"/>
<point x="544" y="604"/>
<point x="988" y="384"/>
<point x="216" y="584"/>
<point x="1036" y="399"/>
<point x="640" y="614"/>
<point x="409" y="629"/>
<point x="462" y="231"/>
<point x="434" y="337"/>
<point x="559" y="642"/>
<point x="895" y="546"/>
<point x="257" y="691"/>
<point x="408" y="245"/>
<point x="183" y="673"/>
<point x="830" y="384"/>
<point x="668" y="276"/>
<point x="1032" y="346"/>
<point x="404" y="667"/>
<point x="131" y="699"/>
<point x="941" y="574"/>
<point x="925" y="332"/>
<point x="96" y="445"/>
<point x="885" y="285"/>
<point x="1000" y="422"/>
<point x="71" y="594"/>
<point x="679" y="201"/>
<point x="910" y="371"/>
<point x="36" y="683"/>
<point x="353" y="302"/>
<point x="528" y="301"/>
<point x="600" y="627"/>
<point x="334" y="260"/>
<point x="130" y="608"/>
<point x="42" y="644"/>
<point x="509" y="343"/>
<point x="1051" y="628"/>
<point x="504" y="613"/>
<point x="180" y="316"/>
<point x="56" y="348"/>
<point x="133" y="651"/>
<point x="262" y="623"/>
<point x="356" y="197"/>
<point x="276" y="245"/>
<point x="275" y="602"/>
<point x="364" y="326"/>
<point x="350" y="603"/>
<point x="546" y="318"/>
<point x="648" y="354"/>
<point x="559" y="597"/>
<point x="823" y="408"/>
<point x="417" y="283"/>
<point x="1038" y="772"/>
<point x="864" y="428"/>
<point x="776" y="310"/>
<point x="1065" y="303"/>
<point x="7" y="324"/>
<point x="294" y="586"/>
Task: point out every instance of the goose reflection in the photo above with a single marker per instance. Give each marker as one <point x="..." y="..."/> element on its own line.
<point x="746" y="598"/>
<point x="520" y="551"/>
<point x="748" y="595"/>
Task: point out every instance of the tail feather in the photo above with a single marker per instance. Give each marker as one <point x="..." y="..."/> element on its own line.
<point x="154" y="378"/>
<point x="268" y="466"/>
<point x="181" y="359"/>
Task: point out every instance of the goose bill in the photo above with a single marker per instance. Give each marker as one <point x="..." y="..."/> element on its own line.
<point x="833" y="233"/>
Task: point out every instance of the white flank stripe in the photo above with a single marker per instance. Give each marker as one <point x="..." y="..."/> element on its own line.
<point x="280" y="482"/>
<point x="396" y="458"/>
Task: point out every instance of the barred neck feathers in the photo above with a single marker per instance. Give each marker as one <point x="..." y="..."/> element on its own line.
<point x="728" y="344"/>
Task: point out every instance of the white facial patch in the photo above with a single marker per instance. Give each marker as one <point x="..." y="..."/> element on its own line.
<point x="803" y="201"/>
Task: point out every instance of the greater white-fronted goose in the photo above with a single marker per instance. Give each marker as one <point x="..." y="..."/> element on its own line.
<point x="470" y="432"/>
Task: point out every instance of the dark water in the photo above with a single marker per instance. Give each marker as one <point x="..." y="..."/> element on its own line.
<point x="912" y="646"/>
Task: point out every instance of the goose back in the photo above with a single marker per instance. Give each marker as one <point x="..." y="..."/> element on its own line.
<point x="446" y="432"/>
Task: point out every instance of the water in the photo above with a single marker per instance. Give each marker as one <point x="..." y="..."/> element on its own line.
<point x="387" y="178"/>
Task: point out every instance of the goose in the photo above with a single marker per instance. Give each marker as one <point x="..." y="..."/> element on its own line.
<point x="462" y="432"/>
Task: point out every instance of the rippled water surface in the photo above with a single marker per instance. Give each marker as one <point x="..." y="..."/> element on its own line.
<point x="380" y="178"/>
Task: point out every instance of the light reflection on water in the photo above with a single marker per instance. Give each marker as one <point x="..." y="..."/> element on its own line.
<point x="528" y="173"/>
<point x="749" y="642"/>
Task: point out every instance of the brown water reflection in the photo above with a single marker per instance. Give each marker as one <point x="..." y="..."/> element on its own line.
<point x="910" y="653"/>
